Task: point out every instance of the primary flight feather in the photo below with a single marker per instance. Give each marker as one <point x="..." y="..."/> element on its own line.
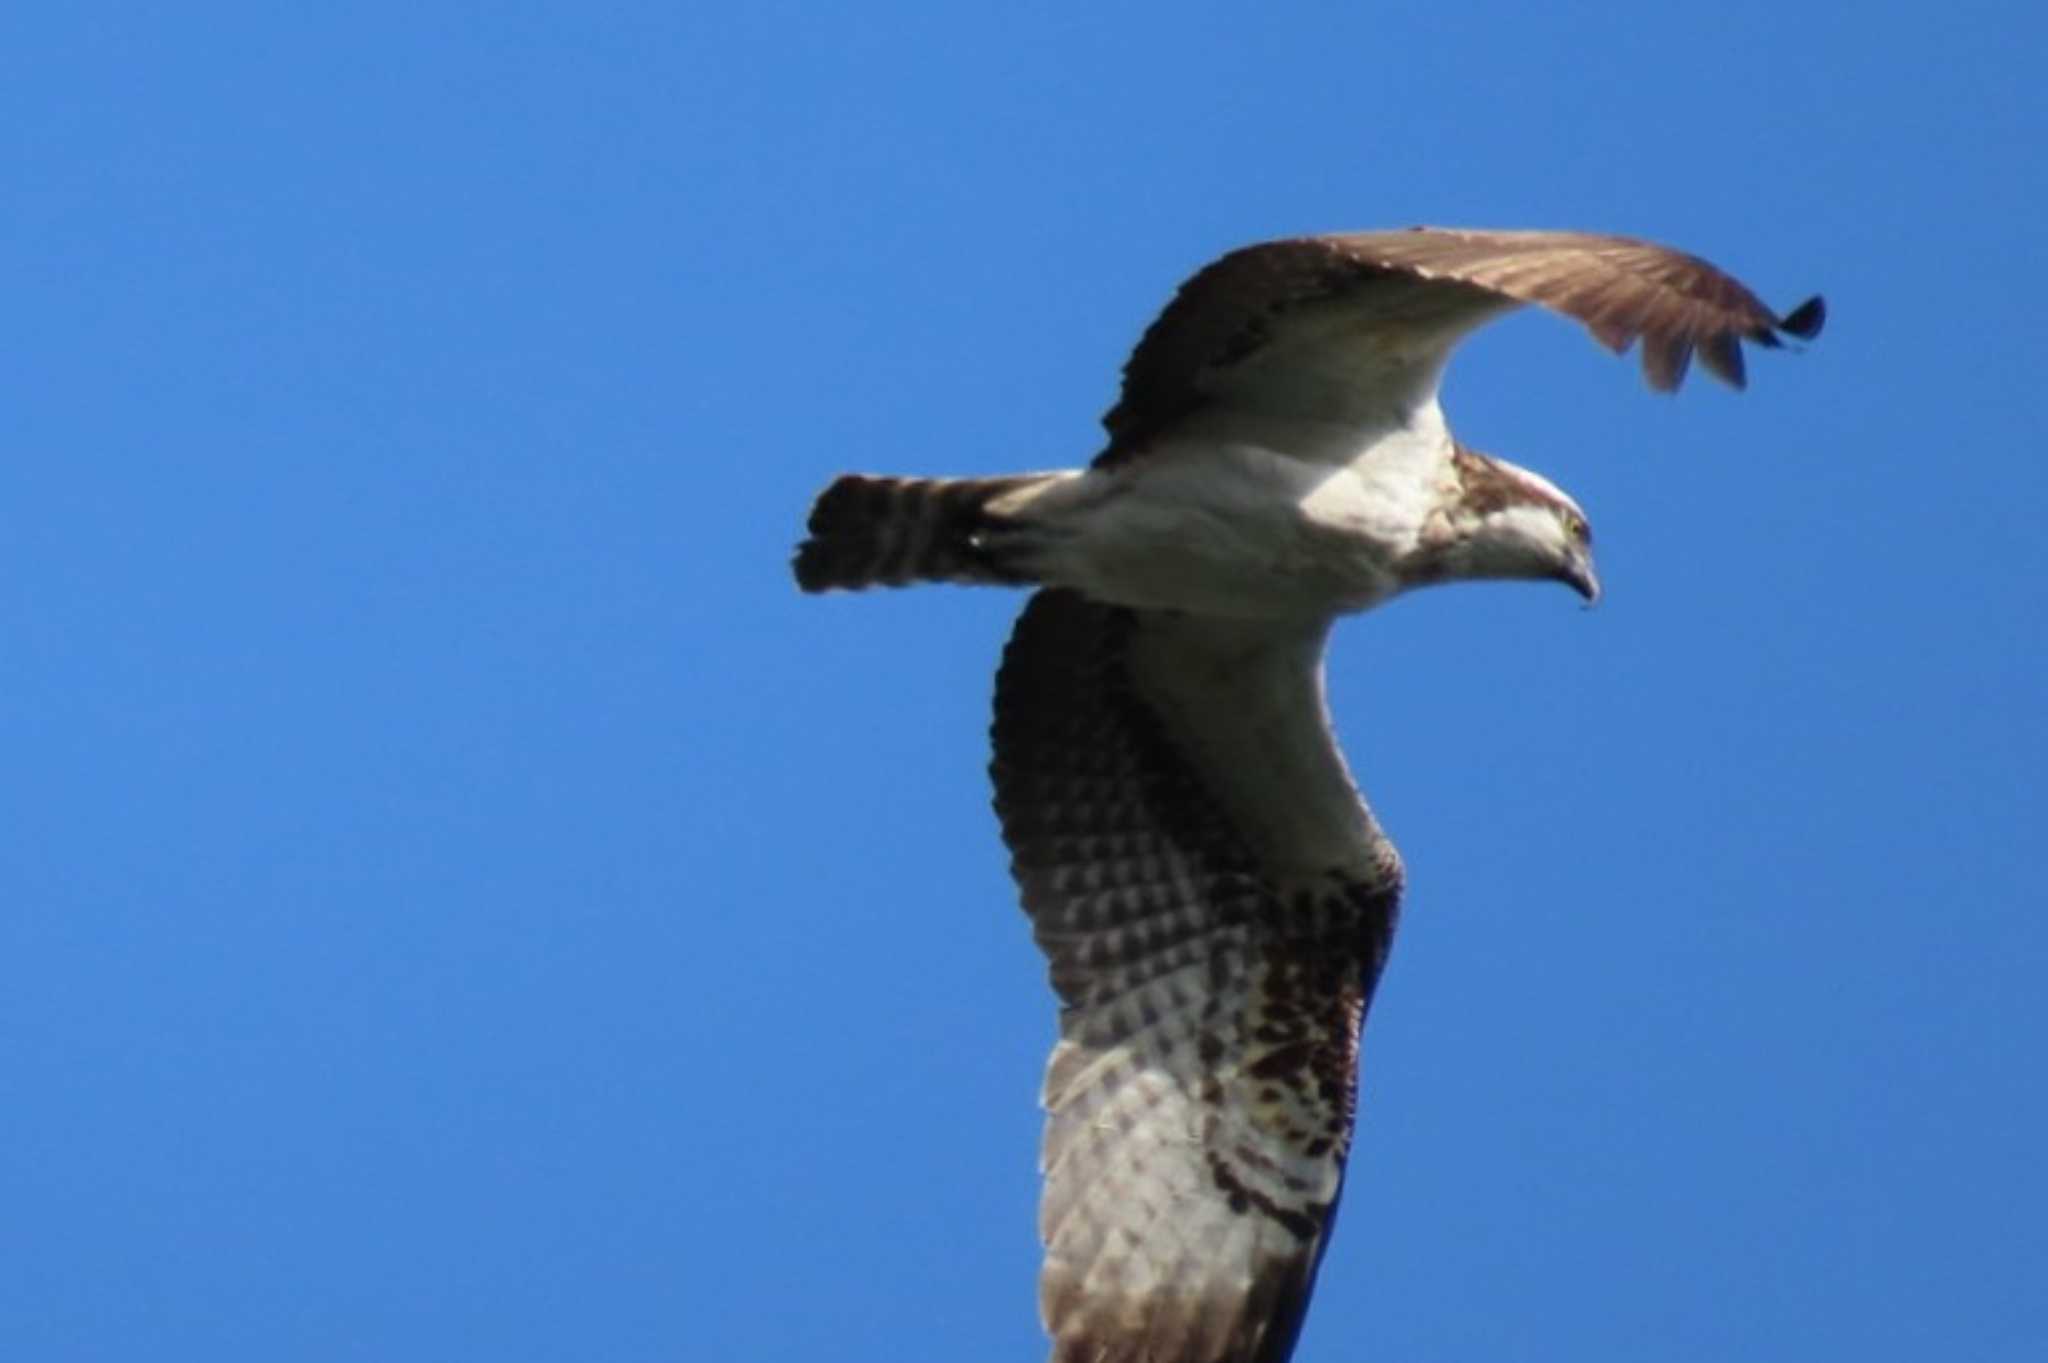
<point x="1213" y="895"/>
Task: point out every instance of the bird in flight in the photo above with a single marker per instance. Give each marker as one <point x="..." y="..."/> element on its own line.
<point x="1213" y="895"/>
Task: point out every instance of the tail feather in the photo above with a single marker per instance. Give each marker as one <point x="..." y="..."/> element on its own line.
<point x="890" y="532"/>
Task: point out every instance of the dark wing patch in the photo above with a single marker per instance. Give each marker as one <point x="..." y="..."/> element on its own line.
<point x="1199" y="1100"/>
<point x="1437" y="283"/>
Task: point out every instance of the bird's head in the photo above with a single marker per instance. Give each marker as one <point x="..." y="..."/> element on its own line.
<point x="1506" y="522"/>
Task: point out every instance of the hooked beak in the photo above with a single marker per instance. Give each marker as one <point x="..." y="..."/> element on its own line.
<point x="1578" y="574"/>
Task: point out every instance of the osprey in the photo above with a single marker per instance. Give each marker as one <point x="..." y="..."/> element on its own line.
<point x="1213" y="895"/>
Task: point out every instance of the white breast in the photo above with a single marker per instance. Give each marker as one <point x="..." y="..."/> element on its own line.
<point x="1251" y="519"/>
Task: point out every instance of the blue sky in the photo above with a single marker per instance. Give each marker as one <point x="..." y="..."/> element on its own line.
<point x="458" y="901"/>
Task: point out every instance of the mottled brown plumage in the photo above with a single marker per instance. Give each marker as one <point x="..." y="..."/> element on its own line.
<point x="1213" y="978"/>
<point x="1214" y="899"/>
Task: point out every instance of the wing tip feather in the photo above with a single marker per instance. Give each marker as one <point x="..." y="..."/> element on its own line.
<point x="1806" y="320"/>
<point x="1721" y="355"/>
<point x="1665" y="360"/>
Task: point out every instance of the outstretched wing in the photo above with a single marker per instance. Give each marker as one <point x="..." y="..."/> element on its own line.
<point x="1216" y="903"/>
<point x="1357" y="327"/>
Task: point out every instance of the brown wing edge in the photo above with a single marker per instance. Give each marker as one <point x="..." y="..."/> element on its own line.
<point x="1665" y="356"/>
<point x="1620" y="288"/>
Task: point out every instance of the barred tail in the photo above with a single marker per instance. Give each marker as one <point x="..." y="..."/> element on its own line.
<point x="889" y="532"/>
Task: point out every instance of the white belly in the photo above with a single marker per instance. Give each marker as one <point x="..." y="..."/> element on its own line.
<point x="1229" y="530"/>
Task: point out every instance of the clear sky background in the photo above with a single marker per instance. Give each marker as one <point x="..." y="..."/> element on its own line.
<point x="457" y="901"/>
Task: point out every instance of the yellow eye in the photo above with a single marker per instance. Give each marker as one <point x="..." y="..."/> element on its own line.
<point x="1575" y="526"/>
